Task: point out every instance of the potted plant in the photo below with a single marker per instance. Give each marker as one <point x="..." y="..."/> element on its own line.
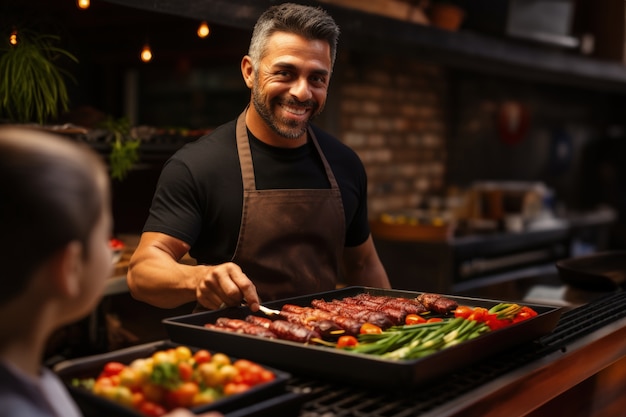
<point x="124" y="147"/>
<point x="32" y="84"/>
<point x="33" y="90"/>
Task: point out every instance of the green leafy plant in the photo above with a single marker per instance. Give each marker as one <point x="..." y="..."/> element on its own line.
<point x="124" y="148"/>
<point x="32" y="85"/>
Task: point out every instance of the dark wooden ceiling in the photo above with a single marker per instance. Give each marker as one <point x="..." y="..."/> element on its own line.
<point x="112" y="33"/>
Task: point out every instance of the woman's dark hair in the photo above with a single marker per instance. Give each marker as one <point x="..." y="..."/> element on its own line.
<point x="306" y="21"/>
<point x="50" y="195"/>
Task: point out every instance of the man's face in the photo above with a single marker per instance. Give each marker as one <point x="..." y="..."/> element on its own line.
<point x="290" y="86"/>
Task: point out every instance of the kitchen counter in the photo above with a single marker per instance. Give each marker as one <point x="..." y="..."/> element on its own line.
<point x="471" y="264"/>
<point x="578" y="370"/>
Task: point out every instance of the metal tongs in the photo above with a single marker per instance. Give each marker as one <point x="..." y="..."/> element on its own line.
<point x="263" y="309"/>
<point x="268" y="311"/>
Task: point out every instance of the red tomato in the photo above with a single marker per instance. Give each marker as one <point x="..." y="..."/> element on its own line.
<point x="369" y="328"/>
<point x="242" y="364"/>
<point x="478" y="314"/>
<point x="116" y="243"/>
<point x="524" y="314"/>
<point x="202" y="356"/>
<point x="138" y="399"/>
<point x="267" y="375"/>
<point x="112" y="368"/>
<point x="347" y="341"/>
<point x="151" y="409"/>
<point x="235" y="388"/>
<point x="414" y="319"/>
<point x="183" y="395"/>
<point x="463" y="311"/>
<point x="185" y="371"/>
<point x="254" y="375"/>
<point x="494" y="323"/>
<point x="434" y="320"/>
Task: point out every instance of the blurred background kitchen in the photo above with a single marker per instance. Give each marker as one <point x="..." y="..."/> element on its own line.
<point x="492" y="131"/>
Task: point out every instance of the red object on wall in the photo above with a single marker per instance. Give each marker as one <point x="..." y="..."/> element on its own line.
<point x="513" y="121"/>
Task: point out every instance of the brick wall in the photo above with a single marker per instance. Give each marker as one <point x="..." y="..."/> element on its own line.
<point x="422" y="129"/>
<point x="392" y="113"/>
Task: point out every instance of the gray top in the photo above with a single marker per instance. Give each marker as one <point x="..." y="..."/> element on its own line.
<point x="22" y="395"/>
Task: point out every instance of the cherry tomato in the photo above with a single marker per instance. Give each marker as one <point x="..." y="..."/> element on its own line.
<point x="185" y="371"/>
<point x="102" y="384"/>
<point x="138" y="399"/>
<point x="182" y="353"/>
<point x="347" y="341"/>
<point x="267" y="375"/>
<point x="183" y="395"/>
<point x="112" y="368"/>
<point x="251" y="374"/>
<point x="478" y="314"/>
<point x="495" y="323"/>
<point x="235" y="388"/>
<point x="150" y="409"/>
<point x="524" y="314"/>
<point x="434" y="320"/>
<point x="463" y="311"/>
<point x="116" y="243"/>
<point x="369" y="328"/>
<point x="202" y="356"/>
<point x="411" y="319"/>
<point x="242" y="364"/>
<point x="529" y="311"/>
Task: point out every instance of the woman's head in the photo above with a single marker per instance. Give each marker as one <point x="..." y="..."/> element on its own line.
<point x="311" y="23"/>
<point x="53" y="193"/>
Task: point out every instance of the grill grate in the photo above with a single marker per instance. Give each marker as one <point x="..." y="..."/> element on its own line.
<point x="328" y="399"/>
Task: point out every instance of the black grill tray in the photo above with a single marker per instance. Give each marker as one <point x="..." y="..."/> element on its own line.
<point x="359" y="369"/>
<point x="248" y="403"/>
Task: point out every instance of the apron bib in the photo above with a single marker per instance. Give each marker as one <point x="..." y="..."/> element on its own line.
<point x="291" y="240"/>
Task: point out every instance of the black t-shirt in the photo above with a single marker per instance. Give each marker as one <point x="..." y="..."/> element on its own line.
<point x="199" y="195"/>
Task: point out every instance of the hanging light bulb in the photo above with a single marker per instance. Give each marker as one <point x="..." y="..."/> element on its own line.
<point x="146" y="53"/>
<point x="83" y="4"/>
<point x="203" y="30"/>
<point x="13" y="37"/>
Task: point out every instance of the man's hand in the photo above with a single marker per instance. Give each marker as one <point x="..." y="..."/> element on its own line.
<point x="155" y="276"/>
<point x="225" y="285"/>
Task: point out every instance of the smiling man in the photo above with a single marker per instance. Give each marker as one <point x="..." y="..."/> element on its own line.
<point x="269" y="205"/>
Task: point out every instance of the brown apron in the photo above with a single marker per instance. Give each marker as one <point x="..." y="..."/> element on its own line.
<point x="291" y="240"/>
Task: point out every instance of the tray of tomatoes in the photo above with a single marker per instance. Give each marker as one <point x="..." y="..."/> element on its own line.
<point x="154" y="378"/>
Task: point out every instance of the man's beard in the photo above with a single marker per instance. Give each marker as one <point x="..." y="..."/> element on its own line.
<point x="288" y="129"/>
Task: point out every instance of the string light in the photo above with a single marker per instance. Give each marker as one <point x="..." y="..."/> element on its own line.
<point x="146" y="53"/>
<point x="13" y="37"/>
<point x="83" y="4"/>
<point x="203" y="30"/>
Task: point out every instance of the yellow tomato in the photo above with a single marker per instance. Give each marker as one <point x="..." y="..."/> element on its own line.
<point x="124" y="396"/>
<point x="119" y="394"/>
<point x="142" y="368"/>
<point x="209" y="374"/>
<point x="220" y="359"/>
<point x="183" y="353"/>
<point x="130" y="378"/>
<point x="162" y="357"/>
<point x="227" y="373"/>
<point x="205" y="397"/>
